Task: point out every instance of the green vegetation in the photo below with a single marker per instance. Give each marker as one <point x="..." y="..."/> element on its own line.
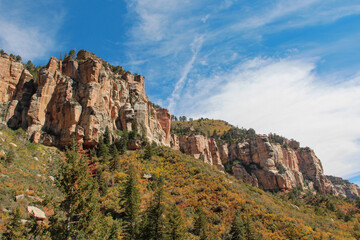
<point x="206" y="127"/>
<point x="33" y="69"/>
<point x="72" y="53"/>
<point x="235" y="135"/>
<point x="180" y="198"/>
<point x="222" y="131"/>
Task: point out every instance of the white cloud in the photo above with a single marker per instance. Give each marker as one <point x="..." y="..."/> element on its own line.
<point x="26" y="32"/>
<point x="204" y="19"/>
<point x="27" y="42"/>
<point x="285" y="96"/>
<point x="156" y="18"/>
<point x="175" y="96"/>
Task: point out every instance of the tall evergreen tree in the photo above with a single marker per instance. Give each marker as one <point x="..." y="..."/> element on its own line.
<point x="72" y="53"/>
<point x="102" y="151"/>
<point x="250" y="231"/>
<point x="81" y="198"/>
<point x="201" y="224"/>
<point x="154" y="222"/>
<point x="148" y="152"/>
<point x="114" y="162"/>
<point x="132" y="205"/>
<point x="134" y="134"/>
<point x="175" y="224"/>
<point x="237" y="231"/>
<point x="106" y="136"/>
<point x="121" y="144"/>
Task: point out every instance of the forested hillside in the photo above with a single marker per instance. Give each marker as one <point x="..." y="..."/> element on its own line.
<point x="154" y="193"/>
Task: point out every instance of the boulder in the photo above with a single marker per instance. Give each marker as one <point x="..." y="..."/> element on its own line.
<point x="38" y="213"/>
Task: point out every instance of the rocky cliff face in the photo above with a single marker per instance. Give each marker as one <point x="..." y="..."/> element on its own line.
<point x="274" y="167"/>
<point x="256" y="161"/>
<point x="78" y="98"/>
<point x="344" y="187"/>
<point x="10" y="73"/>
<point x="201" y="147"/>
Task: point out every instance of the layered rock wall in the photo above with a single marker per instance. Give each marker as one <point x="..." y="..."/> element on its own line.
<point x="260" y="163"/>
<point x="200" y="147"/>
<point x="344" y="187"/>
<point x="78" y="98"/>
<point x="10" y="72"/>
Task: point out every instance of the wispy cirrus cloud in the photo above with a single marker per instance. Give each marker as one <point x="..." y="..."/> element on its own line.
<point x="179" y="86"/>
<point x="228" y="77"/>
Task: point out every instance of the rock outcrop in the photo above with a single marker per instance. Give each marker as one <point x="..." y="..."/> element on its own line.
<point x="10" y="72"/>
<point x="270" y="166"/>
<point x="344" y="187"/>
<point x="273" y="167"/>
<point x="201" y="147"/>
<point x="78" y="98"/>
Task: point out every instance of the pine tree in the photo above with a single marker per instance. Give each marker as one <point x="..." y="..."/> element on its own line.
<point x="18" y="58"/>
<point x="102" y="151"/>
<point x="237" y="231"/>
<point x="148" y="152"/>
<point x="134" y="134"/>
<point x="250" y="231"/>
<point x="175" y="224"/>
<point x="72" y="53"/>
<point x="106" y="136"/>
<point x="154" y="223"/>
<point x="113" y="150"/>
<point x="215" y="135"/>
<point x="132" y="205"/>
<point x="114" y="163"/>
<point x="201" y="224"/>
<point x="81" y="198"/>
<point x="121" y="144"/>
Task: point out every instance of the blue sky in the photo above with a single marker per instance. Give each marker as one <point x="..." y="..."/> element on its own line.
<point x="284" y="66"/>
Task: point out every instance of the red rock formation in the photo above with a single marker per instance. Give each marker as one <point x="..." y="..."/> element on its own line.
<point x="163" y="117"/>
<point x="278" y="168"/>
<point x="10" y="72"/>
<point x="80" y="98"/>
<point x="344" y="187"/>
<point x="201" y="147"/>
<point x="175" y="142"/>
<point x="256" y="161"/>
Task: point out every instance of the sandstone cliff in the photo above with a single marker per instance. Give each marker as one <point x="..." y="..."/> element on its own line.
<point x="344" y="187"/>
<point x="203" y="148"/>
<point x="270" y="166"/>
<point x="78" y="98"/>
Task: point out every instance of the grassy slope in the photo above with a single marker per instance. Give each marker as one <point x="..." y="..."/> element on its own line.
<point x="188" y="183"/>
<point x="28" y="174"/>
